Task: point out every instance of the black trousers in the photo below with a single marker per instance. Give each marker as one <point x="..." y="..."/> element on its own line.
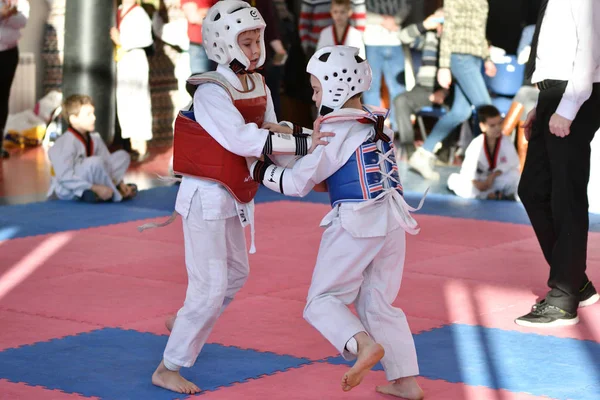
<point x="8" y="66"/>
<point x="553" y="189"/>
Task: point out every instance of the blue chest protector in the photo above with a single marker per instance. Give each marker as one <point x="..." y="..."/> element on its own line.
<point x="369" y="171"/>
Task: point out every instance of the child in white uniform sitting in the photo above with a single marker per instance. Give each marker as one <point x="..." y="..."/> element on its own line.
<point x="81" y="165"/>
<point x="341" y="32"/>
<point x="490" y="169"/>
<point x="361" y="257"/>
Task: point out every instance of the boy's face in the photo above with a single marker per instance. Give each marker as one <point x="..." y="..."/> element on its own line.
<point x="85" y="121"/>
<point x="249" y="42"/>
<point x="317" y="94"/>
<point x="492" y="127"/>
<point x="340" y="14"/>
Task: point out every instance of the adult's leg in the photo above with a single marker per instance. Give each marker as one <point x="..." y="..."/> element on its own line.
<point x="405" y="105"/>
<point x="393" y="67"/>
<point x="9" y="59"/>
<point x="466" y="71"/>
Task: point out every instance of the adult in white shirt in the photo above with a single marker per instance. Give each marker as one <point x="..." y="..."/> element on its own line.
<point x="13" y="17"/>
<point x="565" y="66"/>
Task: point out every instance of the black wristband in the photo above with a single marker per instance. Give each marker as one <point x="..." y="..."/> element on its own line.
<point x="301" y="144"/>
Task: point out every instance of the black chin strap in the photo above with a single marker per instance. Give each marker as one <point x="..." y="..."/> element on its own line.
<point x="237" y="67"/>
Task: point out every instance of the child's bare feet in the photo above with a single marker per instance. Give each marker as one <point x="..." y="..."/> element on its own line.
<point x="369" y="354"/>
<point x="172" y="380"/>
<point x="170" y="321"/>
<point x="405" y="388"/>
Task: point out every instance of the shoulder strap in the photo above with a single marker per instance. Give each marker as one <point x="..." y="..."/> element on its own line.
<point x="208" y="77"/>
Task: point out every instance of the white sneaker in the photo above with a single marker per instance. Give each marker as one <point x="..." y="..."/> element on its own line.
<point x="423" y="161"/>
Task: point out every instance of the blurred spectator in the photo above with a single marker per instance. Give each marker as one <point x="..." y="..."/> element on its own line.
<point x="13" y="18"/>
<point x="315" y="16"/>
<point x="195" y="11"/>
<point x="384" y="49"/>
<point x="464" y="50"/>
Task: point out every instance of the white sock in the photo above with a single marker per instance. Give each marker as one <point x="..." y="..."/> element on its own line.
<point x="170" y="366"/>
<point x="352" y="346"/>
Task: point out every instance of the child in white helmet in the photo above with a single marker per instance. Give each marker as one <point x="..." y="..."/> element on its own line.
<point x="361" y="257"/>
<point x="215" y="198"/>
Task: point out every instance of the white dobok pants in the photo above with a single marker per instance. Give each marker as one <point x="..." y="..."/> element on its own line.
<point x="365" y="272"/>
<point x="462" y="185"/>
<point x="99" y="172"/>
<point x="217" y="266"/>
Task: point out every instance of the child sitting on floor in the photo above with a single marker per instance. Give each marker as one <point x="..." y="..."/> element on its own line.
<point x="81" y="165"/>
<point x="490" y="169"/>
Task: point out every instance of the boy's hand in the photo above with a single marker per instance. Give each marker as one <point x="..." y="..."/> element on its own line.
<point x="104" y="192"/>
<point x="317" y="135"/>
<point x="433" y="21"/>
<point x="277" y="128"/>
<point x="482" y="186"/>
<point x="438" y="97"/>
<point x="7" y="11"/>
<point x="490" y="68"/>
<point x="444" y="77"/>
<point x="126" y="190"/>
<point x="389" y="23"/>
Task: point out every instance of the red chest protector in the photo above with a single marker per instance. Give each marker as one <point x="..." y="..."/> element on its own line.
<point x="196" y="153"/>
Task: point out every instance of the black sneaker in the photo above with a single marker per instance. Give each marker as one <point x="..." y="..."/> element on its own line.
<point x="546" y="315"/>
<point x="588" y="295"/>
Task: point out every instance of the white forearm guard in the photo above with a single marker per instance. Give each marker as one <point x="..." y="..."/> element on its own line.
<point x="269" y="175"/>
<point x="282" y="143"/>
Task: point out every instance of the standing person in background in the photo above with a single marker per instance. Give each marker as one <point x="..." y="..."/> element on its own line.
<point x="423" y="36"/>
<point x="464" y="50"/>
<point x="132" y="36"/>
<point x="13" y="18"/>
<point x="341" y="32"/>
<point x="276" y="55"/>
<point x="565" y="65"/>
<point x="384" y="49"/>
<point x="195" y="11"/>
<point x="315" y="16"/>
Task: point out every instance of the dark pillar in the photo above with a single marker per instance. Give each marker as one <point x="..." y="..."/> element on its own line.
<point x="88" y="64"/>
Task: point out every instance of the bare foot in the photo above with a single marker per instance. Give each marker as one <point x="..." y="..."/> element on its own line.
<point x="368" y="356"/>
<point x="405" y="388"/>
<point x="172" y="380"/>
<point x="170" y="321"/>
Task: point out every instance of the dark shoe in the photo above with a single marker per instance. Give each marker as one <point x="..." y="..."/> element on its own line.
<point x="89" y="196"/>
<point x="546" y="315"/>
<point x="4" y="154"/>
<point x="588" y="295"/>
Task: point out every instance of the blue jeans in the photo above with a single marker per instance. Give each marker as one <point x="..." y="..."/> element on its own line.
<point x="199" y="61"/>
<point x="389" y="61"/>
<point x="469" y="89"/>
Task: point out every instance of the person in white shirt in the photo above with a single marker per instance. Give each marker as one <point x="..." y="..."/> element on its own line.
<point x="131" y="36"/>
<point x="341" y="32"/>
<point x="82" y="166"/>
<point x="361" y="256"/>
<point x="13" y="18"/>
<point x="490" y="169"/>
<point x="565" y="65"/>
<point x="215" y="198"/>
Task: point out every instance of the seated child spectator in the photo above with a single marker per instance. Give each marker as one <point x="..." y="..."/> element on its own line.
<point x="490" y="169"/>
<point x="81" y="165"/>
<point x="341" y="32"/>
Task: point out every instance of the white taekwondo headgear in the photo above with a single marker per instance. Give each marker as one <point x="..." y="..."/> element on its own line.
<point x="221" y="28"/>
<point x="342" y="74"/>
